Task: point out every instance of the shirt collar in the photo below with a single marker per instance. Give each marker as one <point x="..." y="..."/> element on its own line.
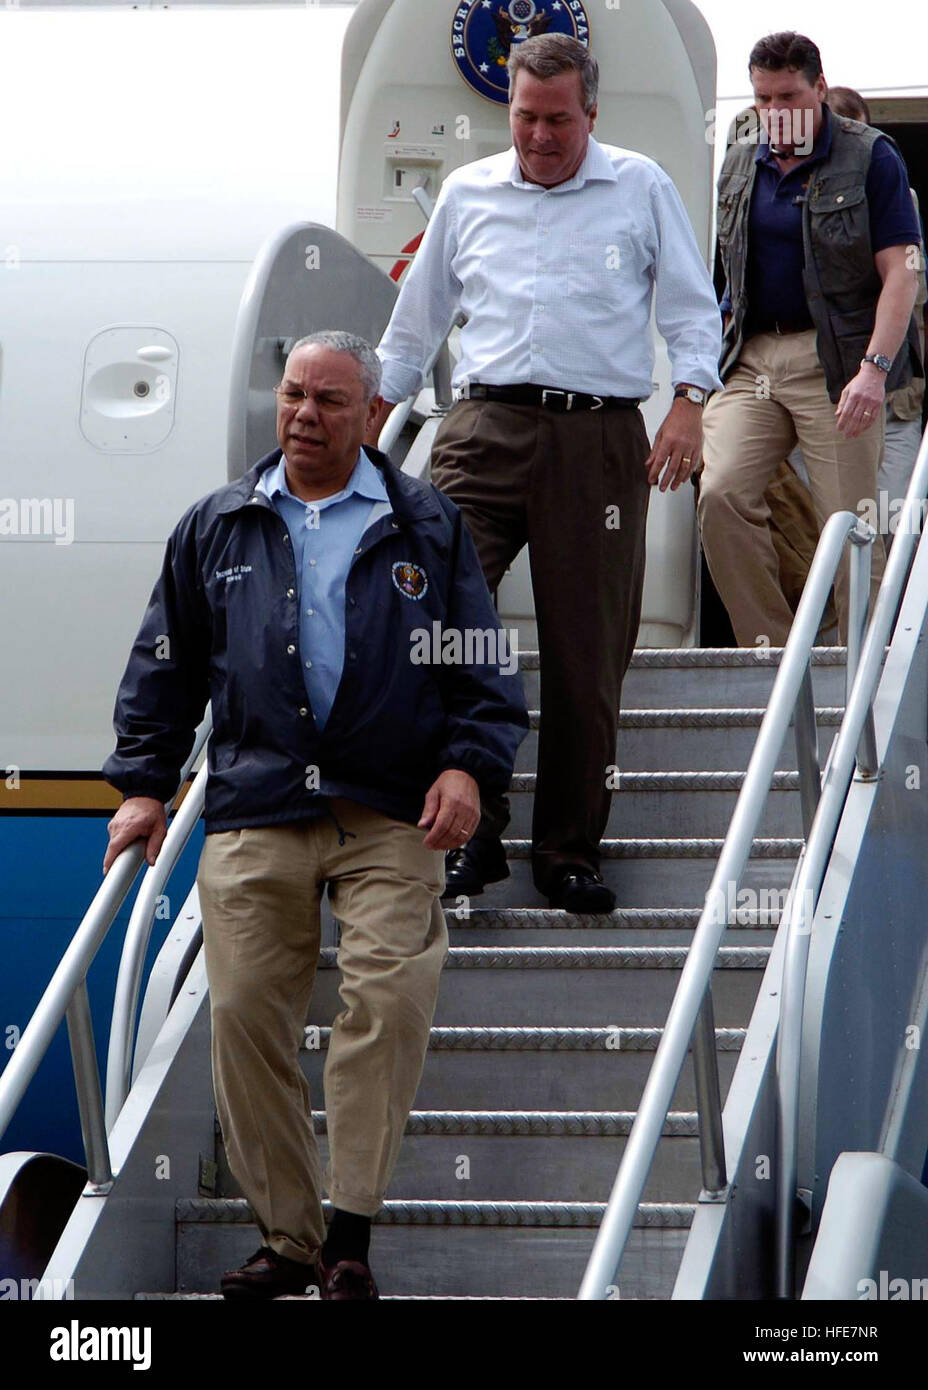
<point x="365" y="480"/>
<point x="820" y="148"/>
<point x="596" y="165"/>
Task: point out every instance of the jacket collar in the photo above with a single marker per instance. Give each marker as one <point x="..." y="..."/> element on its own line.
<point x="410" y="499"/>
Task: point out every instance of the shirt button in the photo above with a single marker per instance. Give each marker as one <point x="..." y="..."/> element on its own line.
<point x="541" y="308"/>
<point x="291" y="649"/>
<point x="291" y="593"/>
<point x="303" y="712"/>
<point x="309" y="612"/>
<point x="309" y="665"/>
<point x="312" y="562"/>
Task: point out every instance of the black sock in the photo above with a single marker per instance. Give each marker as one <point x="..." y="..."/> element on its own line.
<point x="348" y="1238"/>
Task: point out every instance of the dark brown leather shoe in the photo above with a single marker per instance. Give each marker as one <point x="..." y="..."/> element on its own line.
<point x="268" y="1275"/>
<point x="347" y="1279"/>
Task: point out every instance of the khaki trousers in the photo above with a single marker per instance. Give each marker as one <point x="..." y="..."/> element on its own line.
<point x="775" y="396"/>
<point x="574" y="488"/>
<point x="260" y="891"/>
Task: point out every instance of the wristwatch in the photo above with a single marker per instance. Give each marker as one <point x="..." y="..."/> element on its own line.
<point x="692" y="393"/>
<point x="879" y="360"/>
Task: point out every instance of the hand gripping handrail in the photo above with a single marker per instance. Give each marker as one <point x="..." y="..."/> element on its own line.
<point x="692" y="1001"/>
<point x="66" y="996"/>
<point x="858" y="719"/>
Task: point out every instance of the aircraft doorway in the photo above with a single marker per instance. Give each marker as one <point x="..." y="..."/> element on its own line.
<point x="906" y="120"/>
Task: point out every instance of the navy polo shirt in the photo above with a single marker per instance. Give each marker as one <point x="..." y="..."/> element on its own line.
<point x="773" y="280"/>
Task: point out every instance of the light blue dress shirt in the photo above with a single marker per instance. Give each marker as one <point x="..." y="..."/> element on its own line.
<point x="325" y="535"/>
<point x="557" y="284"/>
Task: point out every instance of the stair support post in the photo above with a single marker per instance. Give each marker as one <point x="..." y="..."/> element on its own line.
<point x="709" y="1103"/>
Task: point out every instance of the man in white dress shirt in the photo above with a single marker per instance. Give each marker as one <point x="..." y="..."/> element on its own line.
<point x="552" y="252"/>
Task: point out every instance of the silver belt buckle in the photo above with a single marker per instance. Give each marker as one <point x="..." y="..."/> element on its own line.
<point x="546" y="393"/>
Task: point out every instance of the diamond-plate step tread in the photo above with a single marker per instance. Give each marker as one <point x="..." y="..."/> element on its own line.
<point x="698" y="675"/>
<point x="539" y="926"/>
<point x="483" y="1248"/>
<point x="684" y="738"/>
<point x="543" y="1068"/>
<point x="675" y="803"/>
<point x="235" y="1211"/>
<point x="568" y="984"/>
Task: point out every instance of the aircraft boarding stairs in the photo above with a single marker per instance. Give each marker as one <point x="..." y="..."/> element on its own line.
<point x="545" y="1029"/>
<point x="547" y="1022"/>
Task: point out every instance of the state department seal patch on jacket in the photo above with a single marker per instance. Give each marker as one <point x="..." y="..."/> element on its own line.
<point x="483" y="33"/>
<point x="411" y="580"/>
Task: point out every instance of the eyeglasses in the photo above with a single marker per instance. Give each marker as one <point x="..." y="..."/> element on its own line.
<point x="291" y="397"/>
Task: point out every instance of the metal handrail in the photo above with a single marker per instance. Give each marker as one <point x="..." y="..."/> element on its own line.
<point x="395" y="421"/>
<point x="66" y="996"/>
<point x="138" y="935"/>
<point x="855" y="737"/>
<point x="693" y="996"/>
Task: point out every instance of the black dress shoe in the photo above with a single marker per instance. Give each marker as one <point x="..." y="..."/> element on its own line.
<point x="469" y="870"/>
<point x="268" y="1275"/>
<point x="580" y="890"/>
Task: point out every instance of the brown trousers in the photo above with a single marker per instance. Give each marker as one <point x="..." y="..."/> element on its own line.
<point x="572" y="487"/>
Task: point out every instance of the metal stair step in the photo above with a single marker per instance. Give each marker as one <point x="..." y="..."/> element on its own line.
<point x="526" y="1155"/>
<point x="488" y="1248"/>
<point x="542" y="1068"/>
<point x="547" y="926"/>
<point x="568" y="984"/>
<point x="676" y="803"/>
<point x="384" y="1298"/>
<point x="691" y="739"/>
<point x="698" y="675"/>
<point x="651" y="872"/>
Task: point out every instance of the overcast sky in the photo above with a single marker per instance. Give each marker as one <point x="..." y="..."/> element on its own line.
<point x="865" y="44"/>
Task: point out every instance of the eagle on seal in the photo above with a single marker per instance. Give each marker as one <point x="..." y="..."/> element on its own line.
<point x="519" y="22"/>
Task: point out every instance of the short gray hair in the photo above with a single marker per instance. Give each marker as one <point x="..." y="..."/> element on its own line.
<point x="547" y="55"/>
<point x="339" y="341"/>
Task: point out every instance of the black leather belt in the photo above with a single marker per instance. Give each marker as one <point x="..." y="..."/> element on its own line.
<point x="550" y="397"/>
<point x="782" y="326"/>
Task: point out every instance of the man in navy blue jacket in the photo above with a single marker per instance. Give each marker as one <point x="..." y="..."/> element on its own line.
<point x="334" y="612"/>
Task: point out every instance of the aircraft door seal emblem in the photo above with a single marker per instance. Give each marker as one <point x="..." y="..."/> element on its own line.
<point x="483" y="33"/>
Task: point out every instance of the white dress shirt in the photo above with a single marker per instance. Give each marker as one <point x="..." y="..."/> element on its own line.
<point x="556" y="283"/>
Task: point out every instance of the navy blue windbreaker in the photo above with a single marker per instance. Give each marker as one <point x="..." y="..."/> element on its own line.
<point x="222" y="624"/>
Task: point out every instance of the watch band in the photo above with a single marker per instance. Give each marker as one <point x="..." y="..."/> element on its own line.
<point x="878" y="359"/>
<point x="692" y="393"/>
